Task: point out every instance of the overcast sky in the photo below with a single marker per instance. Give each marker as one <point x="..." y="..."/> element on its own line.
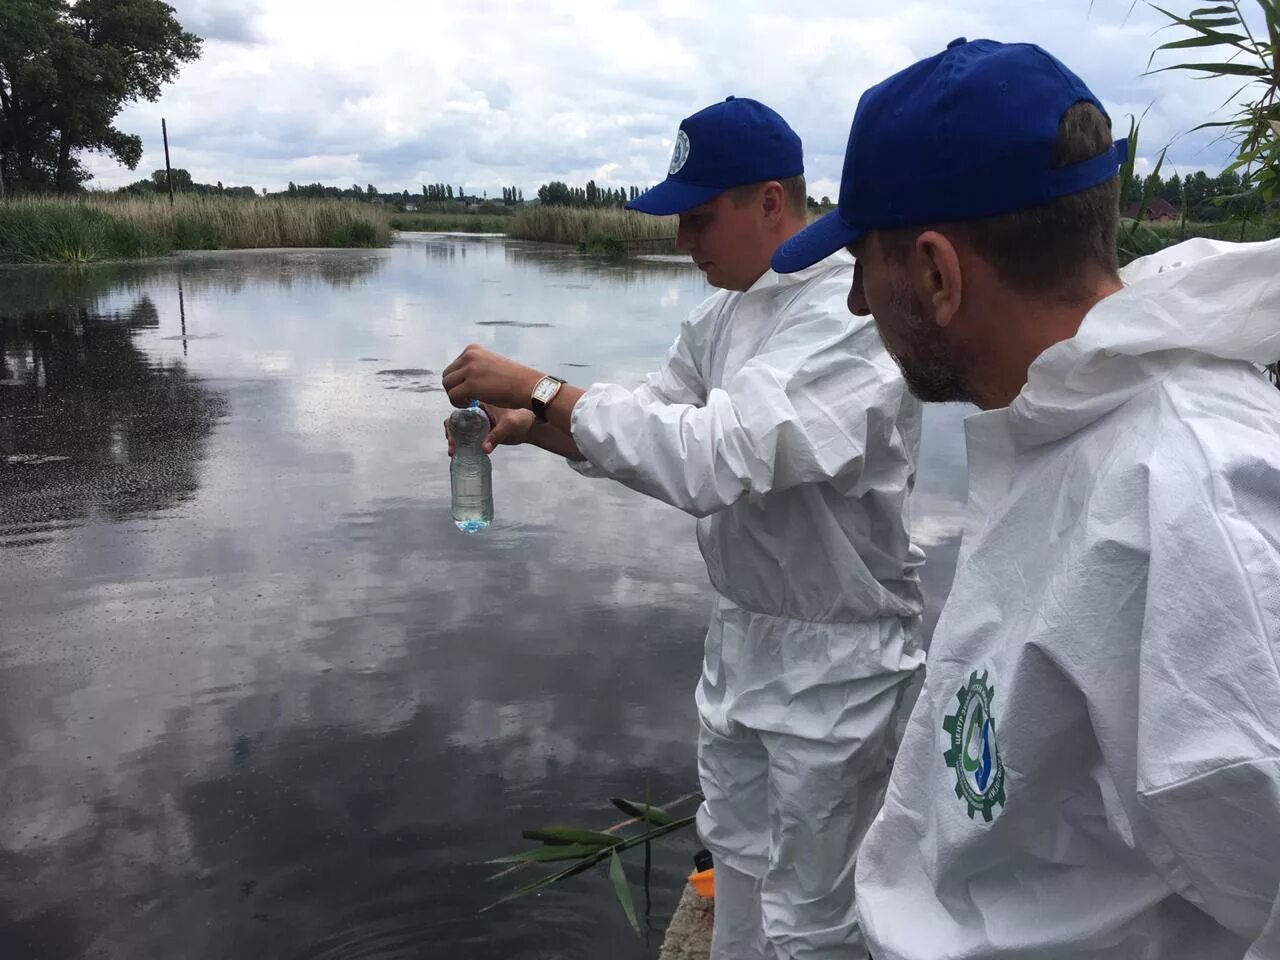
<point x="485" y="94"/>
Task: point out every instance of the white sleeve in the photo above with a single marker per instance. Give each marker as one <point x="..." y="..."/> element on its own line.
<point x="801" y="410"/>
<point x="1209" y="689"/>
<point x="678" y="378"/>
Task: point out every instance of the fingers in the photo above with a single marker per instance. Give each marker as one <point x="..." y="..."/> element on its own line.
<point x="462" y="379"/>
<point x="448" y="435"/>
<point x="461" y="359"/>
<point x="502" y="432"/>
<point x="455" y="385"/>
<point x="454" y="379"/>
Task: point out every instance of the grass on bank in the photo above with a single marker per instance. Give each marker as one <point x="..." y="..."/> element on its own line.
<point x="451" y="222"/>
<point x="96" y="227"/>
<point x="1142" y="239"/>
<point x="590" y="228"/>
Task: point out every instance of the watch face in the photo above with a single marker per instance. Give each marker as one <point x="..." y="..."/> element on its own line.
<point x="545" y="390"/>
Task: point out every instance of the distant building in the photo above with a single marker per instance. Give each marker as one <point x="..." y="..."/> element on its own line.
<point x="410" y="208"/>
<point x="1158" y="211"/>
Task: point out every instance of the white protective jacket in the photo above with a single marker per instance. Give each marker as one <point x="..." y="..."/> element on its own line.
<point x="1093" y="768"/>
<point x="778" y="419"/>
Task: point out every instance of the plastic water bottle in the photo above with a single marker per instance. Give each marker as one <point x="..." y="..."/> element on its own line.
<point x="470" y="471"/>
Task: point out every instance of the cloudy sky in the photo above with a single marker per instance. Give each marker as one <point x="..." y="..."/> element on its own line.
<point x="491" y="93"/>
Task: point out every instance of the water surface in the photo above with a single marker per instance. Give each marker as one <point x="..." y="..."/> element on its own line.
<point x="258" y="697"/>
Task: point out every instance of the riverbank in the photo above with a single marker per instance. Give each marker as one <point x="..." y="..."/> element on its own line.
<point x="97" y="227"/>
<point x="688" y="936"/>
<point x="451" y="222"/>
<point x="597" y="228"/>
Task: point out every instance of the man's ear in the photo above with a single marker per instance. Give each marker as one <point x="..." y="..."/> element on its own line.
<point x="772" y="201"/>
<point x="936" y="274"/>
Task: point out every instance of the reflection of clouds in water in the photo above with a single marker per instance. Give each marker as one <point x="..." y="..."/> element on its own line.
<point x="275" y="363"/>
<point x="329" y="426"/>
<point x="935" y="519"/>
<point x="670" y="297"/>
<point x="302" y="675"/>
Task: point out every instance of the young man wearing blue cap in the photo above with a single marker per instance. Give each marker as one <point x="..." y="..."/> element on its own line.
<point x="781" y="423"/>
<point x="1093" y="768"/>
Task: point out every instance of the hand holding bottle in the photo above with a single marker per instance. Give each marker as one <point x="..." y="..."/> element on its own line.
<point x="510" y="428"/>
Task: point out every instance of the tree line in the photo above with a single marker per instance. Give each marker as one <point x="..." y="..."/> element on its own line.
<point x="182" y="183"/>
<point x="559" y="194"/>
<point x="436" y="195"/>
<point x="1206" y="198"/>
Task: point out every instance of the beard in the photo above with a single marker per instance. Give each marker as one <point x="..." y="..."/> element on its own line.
<point x="926" y="360"/>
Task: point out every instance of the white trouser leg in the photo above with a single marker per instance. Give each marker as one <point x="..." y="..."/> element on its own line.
<point x="738" y="933"/>
<point x="823" y="795"/>
<point x="794" y="759"/>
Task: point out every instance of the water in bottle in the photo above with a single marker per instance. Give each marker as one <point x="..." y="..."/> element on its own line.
<point x="470" y="472"/>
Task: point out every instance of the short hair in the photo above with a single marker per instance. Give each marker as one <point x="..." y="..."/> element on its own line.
<point x="1056" y="249"/>
<point x="793" y="190"/>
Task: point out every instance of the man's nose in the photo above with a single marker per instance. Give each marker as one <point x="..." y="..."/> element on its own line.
<point x="684" y="238"/>
<point x="858" y="305"/>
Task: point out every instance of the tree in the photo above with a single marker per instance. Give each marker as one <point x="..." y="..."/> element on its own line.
<point x="1154" y="184"/>
<point x="1226" y="45"/>
<point x="1135" y="190"/>
<point x="1197" y="187"/>
<point x="67" y="70"/>
<point x="181" y="180"/>
<point x="370" y="192"/>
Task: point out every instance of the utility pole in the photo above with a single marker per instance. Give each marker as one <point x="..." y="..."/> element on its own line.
<point x="168" y="172"/>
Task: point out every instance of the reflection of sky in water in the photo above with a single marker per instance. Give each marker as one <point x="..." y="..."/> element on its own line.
<point x="253" y="683"/>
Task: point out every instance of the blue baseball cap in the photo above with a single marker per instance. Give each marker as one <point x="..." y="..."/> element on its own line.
<point x="966" y="134"/>
<point x="726" y="145"/>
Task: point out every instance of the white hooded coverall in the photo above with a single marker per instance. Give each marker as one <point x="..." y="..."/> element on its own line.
<point x="779" y="420"/>
<point x="1093" y="768"/>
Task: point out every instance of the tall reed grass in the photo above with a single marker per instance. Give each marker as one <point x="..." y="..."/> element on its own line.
<point x="110" y="227"/>
<point x="583" y="226"/>
<point x="451" y="222"/>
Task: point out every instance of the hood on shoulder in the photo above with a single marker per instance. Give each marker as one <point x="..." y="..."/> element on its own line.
<point x="1203" y="296"/>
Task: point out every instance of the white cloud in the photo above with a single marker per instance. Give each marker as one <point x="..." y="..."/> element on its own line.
<point x="497" y="93"/>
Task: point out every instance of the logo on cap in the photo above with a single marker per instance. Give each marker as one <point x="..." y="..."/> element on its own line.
<point x="680" y="154"/>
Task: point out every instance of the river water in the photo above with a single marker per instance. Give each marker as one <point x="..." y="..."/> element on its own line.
<point x="258" y="696"/>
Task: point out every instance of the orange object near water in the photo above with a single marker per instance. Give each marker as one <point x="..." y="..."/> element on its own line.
<point x="704" y="883"/>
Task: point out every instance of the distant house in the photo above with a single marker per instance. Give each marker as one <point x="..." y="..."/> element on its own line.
<point x="410" y="208"/>
<point x="1158" y="211"/>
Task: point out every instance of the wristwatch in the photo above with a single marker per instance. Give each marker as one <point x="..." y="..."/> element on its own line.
<point x="543" y="394"/>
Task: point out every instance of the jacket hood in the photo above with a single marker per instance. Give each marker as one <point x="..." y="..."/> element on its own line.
<point x="1206" y="297"/>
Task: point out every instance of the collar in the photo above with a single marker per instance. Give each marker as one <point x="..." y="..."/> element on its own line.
<point x="840" y="259"/>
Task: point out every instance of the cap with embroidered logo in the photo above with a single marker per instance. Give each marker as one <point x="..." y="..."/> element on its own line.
<point x="965" y="134"/>
<point x="730" y="143"/>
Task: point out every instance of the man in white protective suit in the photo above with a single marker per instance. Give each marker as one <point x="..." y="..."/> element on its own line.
<point x="1093" y="768"/>
<point x="780" y="421"/>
